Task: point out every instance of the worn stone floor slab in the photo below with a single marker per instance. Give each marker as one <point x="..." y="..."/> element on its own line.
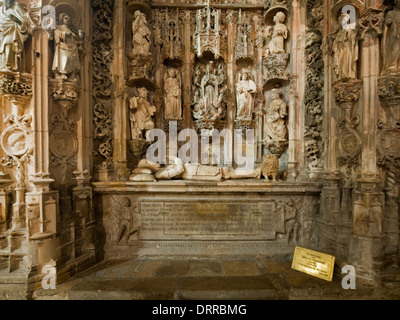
<point x="205" y="279"/>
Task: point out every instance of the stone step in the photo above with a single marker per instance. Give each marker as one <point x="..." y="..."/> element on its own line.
<point x="168" y="288"/>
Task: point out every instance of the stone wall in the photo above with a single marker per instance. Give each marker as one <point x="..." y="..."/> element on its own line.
<point x="76" y="184"/>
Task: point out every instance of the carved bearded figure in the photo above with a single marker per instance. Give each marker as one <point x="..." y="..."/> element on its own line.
<point x="245" y="102"/>
<point x="391" y="41"/>
<point x="141" y="113"/>
<point x="66" y="61"/>
<point x="141" y="34"/>
<point x="173" y="104"/>
<point x="14" y="23"/>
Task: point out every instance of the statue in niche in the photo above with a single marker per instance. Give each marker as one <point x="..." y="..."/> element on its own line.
<point x="141" y="115"/>
<point x="66" y="63"/>
<point x="245" y="89"/>
<point x="209" y="91"/>
<point x="173" y="94"/>
<point x="275" y="124"/>
<point x="391" y="41"/>
<point x="141" y="34"/>
<point x="277" y="35"/>
<point x="345" y="48"/>
<point x="14" y="24"/>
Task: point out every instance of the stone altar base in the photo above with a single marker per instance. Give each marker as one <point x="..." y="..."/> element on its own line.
<point x="184" y="218"/>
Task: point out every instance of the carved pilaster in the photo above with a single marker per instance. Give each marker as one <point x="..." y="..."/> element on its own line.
<point x="102" y="56"/>
<point x="347" y="94"/>
<point x="314" y="94"/>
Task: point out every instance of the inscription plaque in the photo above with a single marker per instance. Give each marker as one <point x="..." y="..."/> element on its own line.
<point x="314" y="263"/>
<point x="204" y="220"/>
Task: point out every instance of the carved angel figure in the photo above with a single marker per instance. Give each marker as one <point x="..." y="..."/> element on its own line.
<point x="391" y="41"/>
<point x="14" y="24"/>
<point x="245" y="89"/>
<point x="141" y="34"/>
<point x="173" y="93"/>
<point x="66" y="63"/>
<point x="277" y="35"/>
<point x="141" y="113"/>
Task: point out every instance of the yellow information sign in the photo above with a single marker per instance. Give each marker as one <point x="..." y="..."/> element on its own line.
<point x="314" y="263"/>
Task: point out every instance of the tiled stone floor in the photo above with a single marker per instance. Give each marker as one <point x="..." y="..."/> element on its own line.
<point x="205" y="279"/>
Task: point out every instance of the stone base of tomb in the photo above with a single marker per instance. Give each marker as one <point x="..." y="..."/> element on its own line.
<point x="185" y="218"/>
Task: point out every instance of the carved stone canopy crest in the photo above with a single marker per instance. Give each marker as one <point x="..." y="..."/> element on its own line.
<point x="207" y="36"/>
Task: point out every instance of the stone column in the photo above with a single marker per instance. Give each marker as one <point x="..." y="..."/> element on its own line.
<point x="187" y="69"/>
<point x="369" y="200"/>
<point x="121" y="119"/>
<point x="296" y="114"/>
<point x="231" y="71"/>
<point x="259" y="99"/>
<point x="82" y="206"/>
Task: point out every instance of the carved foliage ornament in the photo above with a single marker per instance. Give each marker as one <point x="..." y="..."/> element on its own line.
<point x="314" y="95"/>
<point x="15" y="88"/>
<point x="102" y="79"/>
<point x="17" y="143"/>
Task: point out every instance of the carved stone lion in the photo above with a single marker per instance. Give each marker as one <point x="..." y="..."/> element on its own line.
<point x="270" y="167"/>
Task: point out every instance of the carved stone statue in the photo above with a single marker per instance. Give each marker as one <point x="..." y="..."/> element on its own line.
<point x="245" y="88"/>
<point x="141" y="34"/>
<point x="277" y="35"/>
<point x="199" y="172"/>
<point x="345" y="48"/>
<point x="14" y="24"/>
<point x="275" y="127"/>
<point x="173" y="95"/>
<point x="391" y="41"/>
<point x="209" y="91"/>
<point x="275" y="124"/>
<point x="270" y="167"/>
<point x="171" y="171"/>
<point x="66" y="63"/>
<point x="141" y="113"/>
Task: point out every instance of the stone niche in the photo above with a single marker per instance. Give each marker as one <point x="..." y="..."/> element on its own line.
<point x="206" y="67"/>
<point x="203" y="218"/>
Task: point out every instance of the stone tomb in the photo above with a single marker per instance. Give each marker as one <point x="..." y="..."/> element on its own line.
<point x="203" y="218"/>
